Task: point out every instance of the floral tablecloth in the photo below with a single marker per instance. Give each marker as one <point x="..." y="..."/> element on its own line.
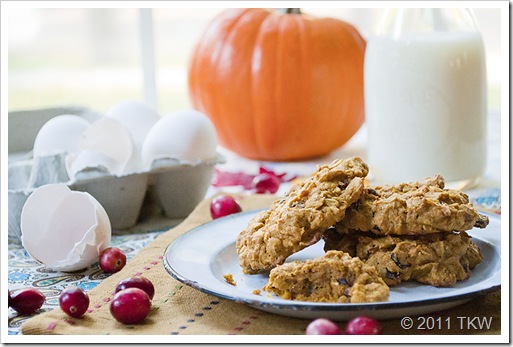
<point x="26" y="272"/>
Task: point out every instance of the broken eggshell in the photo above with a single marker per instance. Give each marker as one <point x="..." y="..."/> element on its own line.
<point x="113" y="141"/>
<point x="87" y="160"/>
<point x="136" y="117"/>
<point x="64" y="229"/>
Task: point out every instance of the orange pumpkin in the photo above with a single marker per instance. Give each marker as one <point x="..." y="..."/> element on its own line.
<point x="279" y="86"/>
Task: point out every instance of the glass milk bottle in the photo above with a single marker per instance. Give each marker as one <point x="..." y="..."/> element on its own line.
<point x="425" y="97"/>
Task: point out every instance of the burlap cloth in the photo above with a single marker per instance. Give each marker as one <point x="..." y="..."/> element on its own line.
<point x="179" y="309"/>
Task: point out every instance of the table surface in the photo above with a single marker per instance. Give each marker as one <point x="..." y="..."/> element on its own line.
<point x="24" y="271"/>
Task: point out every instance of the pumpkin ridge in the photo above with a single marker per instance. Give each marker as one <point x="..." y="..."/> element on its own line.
<point x="257" y="54"/>
<point x="278" y="95"/>
<point x="290" y="137"/>
<point x="286" y="99"/>
<point x="301" y="22"/>
<point x="230" y="132"/>
<point x="228" y="129"/>
<point x="353" y="113"/>
<point x="201" y="95"/>
<point x="300" y="143"/>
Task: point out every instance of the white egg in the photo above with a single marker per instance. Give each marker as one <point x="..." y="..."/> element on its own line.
<point x="60" y="134"/>
<point x="110" y="138"/>
<point x="64" y="229"/>
<point x="185" y="135"/>
<point x="136" y="116"/>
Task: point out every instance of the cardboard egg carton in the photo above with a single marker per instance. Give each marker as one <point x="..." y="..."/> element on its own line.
<point x="172" y="185"/>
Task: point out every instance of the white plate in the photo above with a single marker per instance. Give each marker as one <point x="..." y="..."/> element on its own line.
<point x="200" y="258"/>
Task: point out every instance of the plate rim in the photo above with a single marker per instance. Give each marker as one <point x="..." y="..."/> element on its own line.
<point x="325" y="307"/>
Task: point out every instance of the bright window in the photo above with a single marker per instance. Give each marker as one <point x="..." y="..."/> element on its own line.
<point x="92" y="56"/>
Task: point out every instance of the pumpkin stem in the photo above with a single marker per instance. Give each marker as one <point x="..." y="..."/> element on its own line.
<point x="292" y="11"/>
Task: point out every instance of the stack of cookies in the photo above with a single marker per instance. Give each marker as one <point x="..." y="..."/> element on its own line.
<point x="411" y="231"/>
<point x="375" y="237"/>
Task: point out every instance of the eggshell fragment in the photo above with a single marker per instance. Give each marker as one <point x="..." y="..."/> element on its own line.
<point x="87" y="160"/>
<point x="64" y="229"/>
<point x="110" y="138"/>
<point x="136" y="117"/>
<point x="60" y="134"/>
<point x="185" y="135"/>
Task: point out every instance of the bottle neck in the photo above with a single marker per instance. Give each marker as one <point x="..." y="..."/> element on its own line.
<point x="397" y="22"/>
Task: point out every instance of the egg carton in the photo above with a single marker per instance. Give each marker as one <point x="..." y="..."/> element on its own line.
<point x="174" y="186"/>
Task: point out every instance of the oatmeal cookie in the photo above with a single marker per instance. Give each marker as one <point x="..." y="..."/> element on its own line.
<point x="412" y="208"/>
<point x="334" y="277"/>
<point x="439" y="259"/>
<point x="301" y="217"/>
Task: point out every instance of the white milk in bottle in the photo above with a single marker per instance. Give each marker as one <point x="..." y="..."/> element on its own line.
<point x="425" y="97"/>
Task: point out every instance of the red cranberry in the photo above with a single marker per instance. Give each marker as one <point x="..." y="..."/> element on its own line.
<point x="322" y="326"/>
<point x="137" y="282"/>
<point x="223" y="205"/>
<point x="74" y="301"/>
<point x="130" y="305"/>
<point x="112" y="259"/>
<point x="10" y="298"/>
<point x="363" y="326"/>
<point x="27" y="300"/>
<point x="266" y="183"/>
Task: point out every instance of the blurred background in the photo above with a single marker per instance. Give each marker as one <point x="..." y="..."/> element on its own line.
<point x="92" y="57"/>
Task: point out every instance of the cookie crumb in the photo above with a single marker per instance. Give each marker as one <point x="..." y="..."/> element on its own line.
<point x="256" y="292"/>
<point x="229" y="279"/>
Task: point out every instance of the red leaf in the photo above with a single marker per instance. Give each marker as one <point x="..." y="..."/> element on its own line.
<point x="239" y="178"/>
